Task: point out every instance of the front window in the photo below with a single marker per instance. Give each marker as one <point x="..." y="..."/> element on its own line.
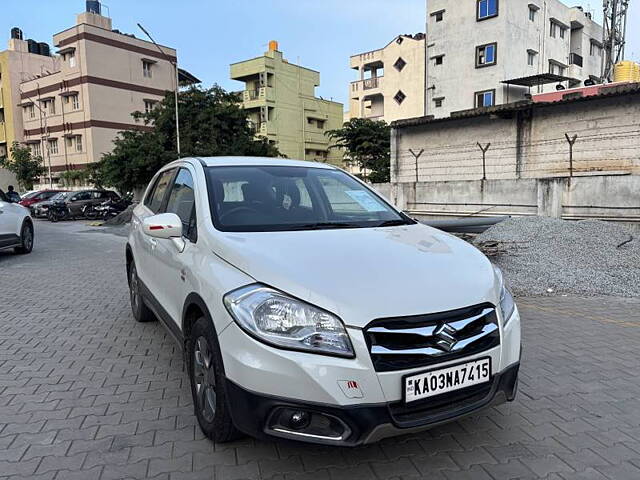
<point x="147" y="69"/>
<point x="485" y="99"/>
<point x="280" y="198"/>
<point x="486" y="55"/>
<point x="487" y="9"/>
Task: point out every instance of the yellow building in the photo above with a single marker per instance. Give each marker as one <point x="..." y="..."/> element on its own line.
<point x="23" y="60"/>
<point x="281" y="102"/>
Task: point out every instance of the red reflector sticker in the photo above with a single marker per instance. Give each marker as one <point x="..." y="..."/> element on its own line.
<point x="156" y="227"/>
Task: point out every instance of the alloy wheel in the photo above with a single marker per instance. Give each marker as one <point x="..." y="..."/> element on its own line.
<point x="204" y="378"/>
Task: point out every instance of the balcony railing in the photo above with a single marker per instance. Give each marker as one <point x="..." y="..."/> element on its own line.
<point x="370" y="83"/>
<point x="575" y="59"/>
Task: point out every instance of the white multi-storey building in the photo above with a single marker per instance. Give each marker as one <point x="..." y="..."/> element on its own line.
<point x="486" y="52"/>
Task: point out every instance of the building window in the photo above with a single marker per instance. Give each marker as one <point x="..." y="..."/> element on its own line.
<point x="438" y="102"/>
<point x="146" y="69"/>
<point x="53" y="146"/>
<point x="485" y="98"/>
<point x="400" y="64"/>
<point x="531" y="57"/>
<point x="71" y="58"/>
<point x="149" y="105"/>
<point x="399" y="97"/>
<point x="438" y="16"/>
<point x="30" y="111"/>
<point x="487" y="9"/>
<point x="486" y="55"/>
<point x="533" y="10"/>
<point x="78" y="143"/>
<point x="74" y="143"/>
<point x="555" y="68"/>
<point x="49" y="106"/>
<point x="556" y="30"/>
<point x="36" y="150"/>
<point x="596" y="49"/>
<point x="438" y="60"/>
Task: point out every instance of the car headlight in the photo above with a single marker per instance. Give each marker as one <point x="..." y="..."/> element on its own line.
<point x="507" y="304"/>
<point x="285" y="322"/>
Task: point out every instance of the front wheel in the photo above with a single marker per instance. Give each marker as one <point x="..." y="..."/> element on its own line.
<point x="26" y="239"/>
<point x="208" y="384"/>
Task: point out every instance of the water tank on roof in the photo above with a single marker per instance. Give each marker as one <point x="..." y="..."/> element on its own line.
<point x="32" y="46"/>
<point x="93" y="6"/>
<point x="44" y="49"/>
<point x="16" y="33"/>
<point x="625" y="71"/>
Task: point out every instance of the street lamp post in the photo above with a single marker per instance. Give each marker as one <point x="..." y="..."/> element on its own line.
<point x="175" y="66"/>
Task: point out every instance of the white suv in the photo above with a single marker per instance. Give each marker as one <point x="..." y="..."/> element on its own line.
<point x="16" y="227"/>
<point x="309" y="308"/>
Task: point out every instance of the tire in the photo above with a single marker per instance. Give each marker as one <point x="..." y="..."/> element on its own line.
<point x="53" y="217"/>
<point x="140" y="311"/>
<point x="26" y="238"/>
<point x="208" y="388"/>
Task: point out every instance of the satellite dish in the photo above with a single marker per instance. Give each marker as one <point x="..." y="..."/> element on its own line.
<point x="560" y="87"/>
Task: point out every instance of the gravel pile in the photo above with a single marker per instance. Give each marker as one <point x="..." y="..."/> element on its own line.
<point x="542" y="256"/>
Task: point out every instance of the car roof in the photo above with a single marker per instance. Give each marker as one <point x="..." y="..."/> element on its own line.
<point x="256" y="162"/>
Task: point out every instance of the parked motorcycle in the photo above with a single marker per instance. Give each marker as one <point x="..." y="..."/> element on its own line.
<point x="110" y="208"/>
<point x="58" y="211"/>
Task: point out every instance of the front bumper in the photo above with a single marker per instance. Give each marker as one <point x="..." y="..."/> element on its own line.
<point x="262" y="379"/>
<point x="253" y="413"/>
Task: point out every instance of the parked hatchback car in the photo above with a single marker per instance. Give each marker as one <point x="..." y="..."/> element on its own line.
<point x="309" y="308"/>
<point x="38" y="196"/>
<point x="16" y="227"/>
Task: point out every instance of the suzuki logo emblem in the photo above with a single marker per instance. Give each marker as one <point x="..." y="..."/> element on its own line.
<point x="446" y="339"/>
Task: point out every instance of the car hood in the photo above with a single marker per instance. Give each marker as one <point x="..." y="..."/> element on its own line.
<point x="369" y="273"/>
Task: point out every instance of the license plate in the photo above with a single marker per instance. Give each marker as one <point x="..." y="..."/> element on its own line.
<point x="437" y="382"/>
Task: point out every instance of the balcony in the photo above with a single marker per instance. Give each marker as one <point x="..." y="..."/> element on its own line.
<point x="575" y="59"/>
<point x="257" y="97"/>
<point x="368" y="86"/>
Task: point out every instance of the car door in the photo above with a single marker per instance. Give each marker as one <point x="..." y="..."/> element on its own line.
<point x="10" y="221"/>
<point x="6" y="224"/>
<point x="175" y="267"/>
<point x="77" y="201"/>
<point x="154" y="201"/>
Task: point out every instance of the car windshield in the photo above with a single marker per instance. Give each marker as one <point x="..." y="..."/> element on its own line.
<point x="281" y="198"/>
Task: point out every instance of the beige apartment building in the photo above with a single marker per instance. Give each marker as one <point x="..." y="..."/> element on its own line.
<point x="282" y="105"/>
<point x="23" y="60"/>
<point x="72" y="115"/>
<point x="391" y="81"/>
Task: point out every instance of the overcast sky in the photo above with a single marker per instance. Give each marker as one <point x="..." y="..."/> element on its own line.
<point x="211" y="34"/>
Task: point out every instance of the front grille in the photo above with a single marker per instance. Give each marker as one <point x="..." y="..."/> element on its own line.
<point x="422" y="340"/>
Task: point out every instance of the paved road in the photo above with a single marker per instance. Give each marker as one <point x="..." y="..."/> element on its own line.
<point x="87" y="393"/>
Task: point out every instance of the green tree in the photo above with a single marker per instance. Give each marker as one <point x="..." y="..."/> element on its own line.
<point x="367" y="143"/>
<point x="212" y="123"/>
<point x="26" y="167"/>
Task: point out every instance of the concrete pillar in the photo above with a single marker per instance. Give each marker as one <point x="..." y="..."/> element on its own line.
<point x="550" y="194"/>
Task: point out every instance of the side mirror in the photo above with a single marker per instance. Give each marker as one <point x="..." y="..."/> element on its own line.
<point x="164" y="225"/>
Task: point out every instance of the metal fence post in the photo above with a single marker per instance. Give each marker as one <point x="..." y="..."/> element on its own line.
<point x="572" y="141"/>
<point x="484" y="159"/>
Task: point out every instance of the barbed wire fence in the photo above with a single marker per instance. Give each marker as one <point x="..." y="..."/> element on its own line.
<point x="571" y="153"/>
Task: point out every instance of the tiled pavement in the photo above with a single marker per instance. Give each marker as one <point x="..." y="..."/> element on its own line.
<point x="86" y="393"/>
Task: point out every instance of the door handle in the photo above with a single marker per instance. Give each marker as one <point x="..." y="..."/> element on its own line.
<point x="153" y="242"/>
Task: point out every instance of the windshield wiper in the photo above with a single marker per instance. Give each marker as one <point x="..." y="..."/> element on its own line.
<point x="394" y="223"/>
<point x="325" y="226"/>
